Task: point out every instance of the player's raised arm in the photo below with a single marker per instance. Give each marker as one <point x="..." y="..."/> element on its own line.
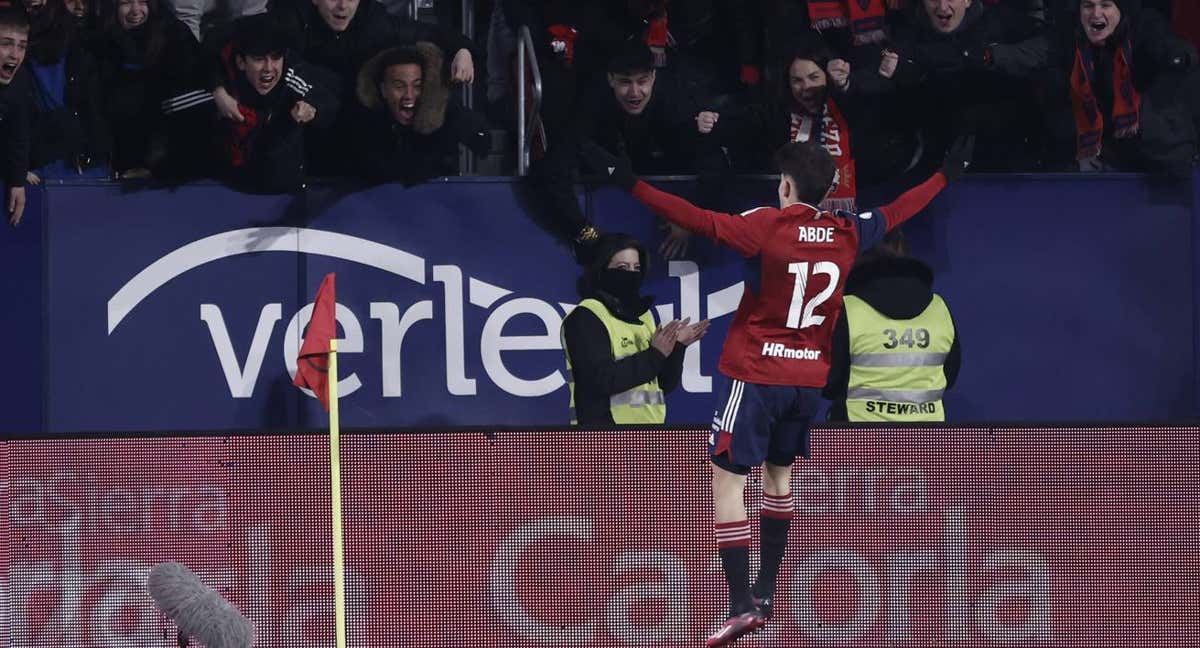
<point x="910" y="203"/>
<point x="742" y="234"/>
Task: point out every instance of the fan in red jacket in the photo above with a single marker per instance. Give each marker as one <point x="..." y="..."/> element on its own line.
<point x="776" y="355"/>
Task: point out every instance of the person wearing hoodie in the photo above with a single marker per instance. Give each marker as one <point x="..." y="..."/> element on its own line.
<point x="1126" y="89"/>
<point x="70" y="133"/>
<point x="280" y="97"/>
<point x="620" y="364"/>
<point x="146" y="58"/>
<point x="945" y="89"/>
<point x="896" y="350"/>
<point x="14" y="110"/>
<point x="407" y="126"/>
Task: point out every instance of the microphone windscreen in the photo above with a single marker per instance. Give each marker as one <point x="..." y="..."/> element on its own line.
<point x="197" y="609"/>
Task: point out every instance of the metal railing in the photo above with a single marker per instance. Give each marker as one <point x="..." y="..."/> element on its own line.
<point x="526" y="117"/>
<point x="466" y="157"/>
<point x="468" y="30"/>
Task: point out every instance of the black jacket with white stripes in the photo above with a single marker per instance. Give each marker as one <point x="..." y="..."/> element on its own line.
<point x="265" y="153"/>
<point x="142" y="70"/>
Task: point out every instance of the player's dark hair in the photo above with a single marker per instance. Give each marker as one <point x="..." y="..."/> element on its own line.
<point x="810" y="168"/>
<point x="634" y="57"/>
<point x="14" y="17"/>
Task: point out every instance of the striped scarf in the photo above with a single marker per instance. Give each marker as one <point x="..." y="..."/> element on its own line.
<point x="835" y="138"/>
<point x="1127" y="102"/>
<point x="864" y="17"/>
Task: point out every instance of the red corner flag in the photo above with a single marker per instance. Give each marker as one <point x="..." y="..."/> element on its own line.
<point x="312" y="367"/>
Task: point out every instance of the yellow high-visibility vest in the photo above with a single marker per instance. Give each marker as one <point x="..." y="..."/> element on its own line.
<point x="896" y="366"/>
<point x="643" y="404"/>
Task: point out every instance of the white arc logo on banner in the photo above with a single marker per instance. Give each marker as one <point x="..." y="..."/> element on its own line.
<point x="394" y="322"/>
<point x="260" y="239"/>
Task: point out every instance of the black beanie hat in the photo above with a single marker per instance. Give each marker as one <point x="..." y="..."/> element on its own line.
<point x="602" y="252"/>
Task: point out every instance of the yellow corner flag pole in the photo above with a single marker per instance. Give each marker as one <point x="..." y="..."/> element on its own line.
<point x="335" y="497"/>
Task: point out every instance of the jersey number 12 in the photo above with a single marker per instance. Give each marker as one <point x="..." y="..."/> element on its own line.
<point x="800" y="315"/>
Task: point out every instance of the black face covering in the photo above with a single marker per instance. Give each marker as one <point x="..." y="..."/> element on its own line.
<point x="815" y="96"/>
<point x="625" y="285"/>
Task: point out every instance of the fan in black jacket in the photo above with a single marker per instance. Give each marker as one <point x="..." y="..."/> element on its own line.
<point x="14" y="110"/>
<point x="643" y="114"/>
<point x="407" y="127"/>
<point x="70" y="132"/>
<point x="946" y="89"/>
<point x="146" y="57"/>
<point x="279" y="97"/>
<point x="341" y="35"/>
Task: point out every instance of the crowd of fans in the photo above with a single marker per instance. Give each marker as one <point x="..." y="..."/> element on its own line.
<point x="262" y="101"/>
<point x="263" y="94"/>
<point x="884" y="85"/>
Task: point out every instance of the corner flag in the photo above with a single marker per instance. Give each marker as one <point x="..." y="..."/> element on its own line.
<point x="312" y="367"/>
<point x="316" y="369"/>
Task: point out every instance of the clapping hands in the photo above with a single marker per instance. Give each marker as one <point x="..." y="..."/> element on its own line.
<point x="678" y="332"/>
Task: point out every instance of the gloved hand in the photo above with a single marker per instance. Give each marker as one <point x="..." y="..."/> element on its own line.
<point x="610" y="169"/>
<point x="584" y="244"/>
<point x="958" y="157"/>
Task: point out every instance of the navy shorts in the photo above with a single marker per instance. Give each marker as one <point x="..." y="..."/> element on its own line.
<point x="755" y="423"/>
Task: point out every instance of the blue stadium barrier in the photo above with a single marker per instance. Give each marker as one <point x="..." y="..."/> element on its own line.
<point x="133" y="310"/>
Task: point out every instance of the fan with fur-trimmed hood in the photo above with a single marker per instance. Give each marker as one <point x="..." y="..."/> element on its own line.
<point x="435" y="92"/>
